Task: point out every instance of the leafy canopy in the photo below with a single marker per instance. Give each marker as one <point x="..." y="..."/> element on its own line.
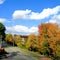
<point x="2" y="30"/>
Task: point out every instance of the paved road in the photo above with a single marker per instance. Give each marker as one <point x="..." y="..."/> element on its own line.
<point x="16" y="54"/>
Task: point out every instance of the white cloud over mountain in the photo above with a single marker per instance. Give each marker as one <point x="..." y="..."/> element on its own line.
<point x="29" y="14"/>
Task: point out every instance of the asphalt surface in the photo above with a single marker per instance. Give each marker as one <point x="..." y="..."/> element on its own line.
<point x="16" y="54"/>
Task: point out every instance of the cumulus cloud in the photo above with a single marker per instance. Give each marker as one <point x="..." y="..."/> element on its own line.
<point x="28" y="14"/>
<point x="21" y="14"/>
<point x="2" y="1"/>
<point x="55" y="19"/>
<point x="2" y="20"/>
<point x="22" y="29"/>
<point x="33" y="29"/>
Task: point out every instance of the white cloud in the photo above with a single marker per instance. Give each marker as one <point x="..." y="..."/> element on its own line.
<point x="33" y="29"/>
<point x="21" y="14"/>
<point x="28" y="14"/>
<point x="19" y="28"/>
<point x="22" y="29"/>
<point x="55" y="19"/>
<point x="2" y="20"/>
<point x="2" y="1"/>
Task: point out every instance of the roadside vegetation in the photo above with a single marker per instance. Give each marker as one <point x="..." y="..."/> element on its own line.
<point x="46" y="43"/>
<point x="2" y="38"/>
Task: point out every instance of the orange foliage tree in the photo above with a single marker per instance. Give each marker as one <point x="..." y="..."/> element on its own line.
<point x="49" y="36"/>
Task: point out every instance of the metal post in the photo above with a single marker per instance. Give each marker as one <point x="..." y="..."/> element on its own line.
<point x="13" y="39"/>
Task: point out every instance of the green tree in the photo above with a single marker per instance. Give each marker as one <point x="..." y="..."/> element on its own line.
<point x="2" y="31"/>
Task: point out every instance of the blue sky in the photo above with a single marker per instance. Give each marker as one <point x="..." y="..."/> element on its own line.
<point x="24" y="16"/>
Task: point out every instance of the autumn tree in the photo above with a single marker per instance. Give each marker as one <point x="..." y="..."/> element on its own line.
<point x="48" y="36"/>
<point x="57" y="44"/>
<point x="17" y="40"/>
<point x="9" y="38"/>
<point x="32" y="42"/>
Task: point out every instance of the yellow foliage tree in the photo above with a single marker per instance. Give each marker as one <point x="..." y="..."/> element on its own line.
<point x="17" y="40"/>
<point x="32" y="42"/>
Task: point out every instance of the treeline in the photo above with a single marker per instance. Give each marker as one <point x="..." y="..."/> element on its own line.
<point x="47" y="42"/>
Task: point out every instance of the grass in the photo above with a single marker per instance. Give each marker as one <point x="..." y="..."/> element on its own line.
<point x="35" y="55"/>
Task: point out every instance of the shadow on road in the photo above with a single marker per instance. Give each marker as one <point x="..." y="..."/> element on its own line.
<point x="13" y="54"/>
